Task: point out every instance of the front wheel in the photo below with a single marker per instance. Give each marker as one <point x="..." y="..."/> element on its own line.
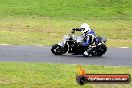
<point x="56" y="49"/>
<point x="102" y="49"/>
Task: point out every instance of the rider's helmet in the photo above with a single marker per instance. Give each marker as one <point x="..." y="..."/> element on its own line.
<point x="85" y="27"/>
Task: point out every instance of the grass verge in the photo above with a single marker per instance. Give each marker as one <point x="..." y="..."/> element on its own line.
<point x="42" y="75"/>
<point x="48" y="31"/>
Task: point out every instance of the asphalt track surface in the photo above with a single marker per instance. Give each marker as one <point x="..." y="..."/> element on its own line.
<point x="113" y="57"/>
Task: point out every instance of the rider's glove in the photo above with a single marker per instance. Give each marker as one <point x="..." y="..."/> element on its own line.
<point x="73" y="29"/>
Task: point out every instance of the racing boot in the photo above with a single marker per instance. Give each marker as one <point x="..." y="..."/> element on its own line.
<point x="87" y="52"/>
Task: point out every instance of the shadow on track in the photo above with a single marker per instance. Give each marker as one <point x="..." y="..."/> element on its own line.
<point x="78" y="56"/>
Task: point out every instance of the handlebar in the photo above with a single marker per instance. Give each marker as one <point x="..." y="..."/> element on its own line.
<point x="77" y="29"/>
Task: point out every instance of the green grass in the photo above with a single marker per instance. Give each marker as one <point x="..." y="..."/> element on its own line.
<point x="48" y="31"/>
<point x="66" y="8"/>
<point x="44" y="22"/>
<point x="42" y="75"/>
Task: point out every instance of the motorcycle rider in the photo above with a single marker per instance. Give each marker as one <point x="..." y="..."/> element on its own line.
<point x="88" y="33"/>
<point x="89" y="36"/>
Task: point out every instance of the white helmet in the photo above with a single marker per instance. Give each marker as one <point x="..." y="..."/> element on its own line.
<point x="86" y="28"/>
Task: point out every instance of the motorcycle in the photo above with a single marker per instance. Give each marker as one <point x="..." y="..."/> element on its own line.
<point x="72" y="43"/>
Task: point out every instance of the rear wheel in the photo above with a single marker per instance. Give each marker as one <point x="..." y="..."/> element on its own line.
<point x="101" y="49"/>
<point x="56" y="49"/>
